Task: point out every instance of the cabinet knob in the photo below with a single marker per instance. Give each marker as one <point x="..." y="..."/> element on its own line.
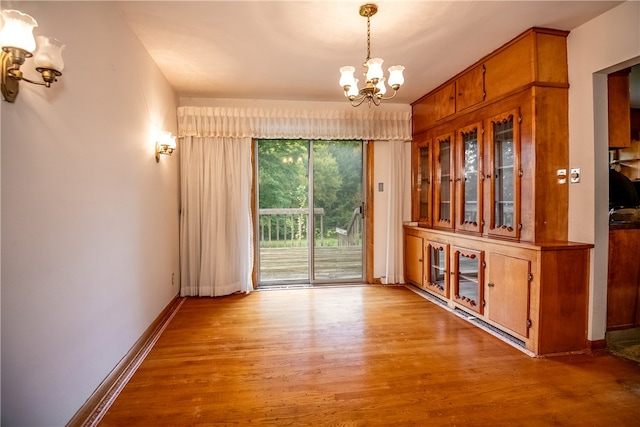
<point x="491" y="285"/>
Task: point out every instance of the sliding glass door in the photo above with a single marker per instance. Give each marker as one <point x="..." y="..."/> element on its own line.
<point x="309" y="227"/>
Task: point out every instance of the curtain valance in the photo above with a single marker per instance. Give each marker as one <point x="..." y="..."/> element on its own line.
<point x="361" y="124"/>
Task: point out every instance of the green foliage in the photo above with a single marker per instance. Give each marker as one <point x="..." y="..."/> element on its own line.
<point x="283" y="180"/>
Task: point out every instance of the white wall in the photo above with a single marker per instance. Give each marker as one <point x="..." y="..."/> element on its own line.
<point x="599" y="46"/>
<point x="89" y="219"/>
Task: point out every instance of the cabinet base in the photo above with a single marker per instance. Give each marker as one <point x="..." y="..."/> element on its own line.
<point x="471" y="318"/>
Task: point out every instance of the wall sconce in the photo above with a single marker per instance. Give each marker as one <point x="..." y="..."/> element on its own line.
<point x="165" y="145"/>
<point x="18" y="43"/>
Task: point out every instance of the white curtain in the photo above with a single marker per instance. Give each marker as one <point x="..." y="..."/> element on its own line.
<point x="215" y="237"/>
<point x="216" y="254"/>
<point x="394" y="267"/>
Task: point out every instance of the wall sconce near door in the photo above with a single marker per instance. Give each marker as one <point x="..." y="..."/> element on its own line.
<point x="165" y="145"/>
<point x="18" y="44"/>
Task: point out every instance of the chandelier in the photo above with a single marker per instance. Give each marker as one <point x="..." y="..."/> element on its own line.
<point x="375" y="88"/>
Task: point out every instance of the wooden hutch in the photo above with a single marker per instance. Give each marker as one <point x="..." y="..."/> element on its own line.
<point x="490" y="197"/>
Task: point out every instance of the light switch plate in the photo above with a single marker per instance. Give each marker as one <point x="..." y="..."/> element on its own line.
<point x="562" y="176"/>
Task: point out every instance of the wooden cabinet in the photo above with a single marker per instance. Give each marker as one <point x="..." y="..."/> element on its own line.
<point x="508" y="292"/>
<point x="445" y="101"/>
<point x="470" y="88"/>
<point x="623" y="284"/>
<point x="468" y="278"/>
<point x="469" y="179"/>
<point x="413" y="247"/>
<point x="522" y="143"/>
<point x="437" y="270"/>
<point x="422" y="184"/>
<point x="537" y="56"/>
<point x="619" y="105"/>
<point x="444" y="183"/>
<point x="504" y="179"/>
<point x="494" y="137"/>
<point x="536" y="294"/>
<point x="464" y="92"/>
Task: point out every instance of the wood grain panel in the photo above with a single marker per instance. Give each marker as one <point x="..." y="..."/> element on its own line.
<point x="623" y="289"/>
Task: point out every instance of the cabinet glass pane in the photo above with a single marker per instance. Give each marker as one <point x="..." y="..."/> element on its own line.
<point x="467" y="286"/>
<point x="438" y="267"/>
<point x="503" y="190"/>
<point x="445" y="179"/>
<point x="470" y="141"/>
<point x="425" y="173"/>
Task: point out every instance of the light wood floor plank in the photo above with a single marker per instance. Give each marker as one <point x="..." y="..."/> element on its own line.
<point x="356" y="356"/>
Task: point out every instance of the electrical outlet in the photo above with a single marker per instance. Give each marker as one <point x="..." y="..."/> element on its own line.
<point x="173" y="279"/>
<point x="574" y="176"/>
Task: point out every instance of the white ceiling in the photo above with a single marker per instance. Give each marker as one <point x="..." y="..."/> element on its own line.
<point x="292" y="50"/>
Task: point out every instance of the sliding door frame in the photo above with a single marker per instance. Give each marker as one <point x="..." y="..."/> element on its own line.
<point x="367" y="247"/>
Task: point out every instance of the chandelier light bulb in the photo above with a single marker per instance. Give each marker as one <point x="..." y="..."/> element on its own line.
<point x="353" y="90"/>
<point x="395" y="75"/>
<point x="374" y="69"/>
<point x="346" y="76"/>
<point x="382" y="88"/>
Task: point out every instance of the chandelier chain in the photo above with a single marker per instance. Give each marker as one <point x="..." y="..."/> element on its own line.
<point x="368" y="38"/>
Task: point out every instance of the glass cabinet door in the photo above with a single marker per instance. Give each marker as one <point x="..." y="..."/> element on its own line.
<point x="443" y="205"/>
<point x="469" y="189"/>
<point x="424" y="183"/>
<point x="437" y="273"/>
<point x="504" y="149"/>
<point x="468" y="281"/>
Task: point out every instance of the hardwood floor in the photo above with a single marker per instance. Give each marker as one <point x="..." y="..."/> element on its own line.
<point x="360" y="355"/>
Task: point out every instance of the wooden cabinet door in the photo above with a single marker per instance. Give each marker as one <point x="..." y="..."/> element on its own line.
<point x="436" y="267"/>
<point x="424" y="179"/>
<point x="444" y="185"/>
<point x="468" y="278"/>
<point x="413" y="247"/>
<point x="504" y="175"/>
<point x="468" y="189"/>
<point x="470" y="88"/>
<point x="619" y="105"/>
<point x="508" y="292"/>
<point x="445" y="101"/>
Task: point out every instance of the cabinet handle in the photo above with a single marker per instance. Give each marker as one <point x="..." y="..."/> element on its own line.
<point x="491" y="285"/>
<point x="420" y="260"/>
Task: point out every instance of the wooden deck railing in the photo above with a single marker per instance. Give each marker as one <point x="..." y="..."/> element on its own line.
<point x="352" y="235"/>
<point x="288" y="226"/>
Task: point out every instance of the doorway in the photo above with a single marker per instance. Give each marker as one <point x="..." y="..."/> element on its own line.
<point x="310" y="201"/>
